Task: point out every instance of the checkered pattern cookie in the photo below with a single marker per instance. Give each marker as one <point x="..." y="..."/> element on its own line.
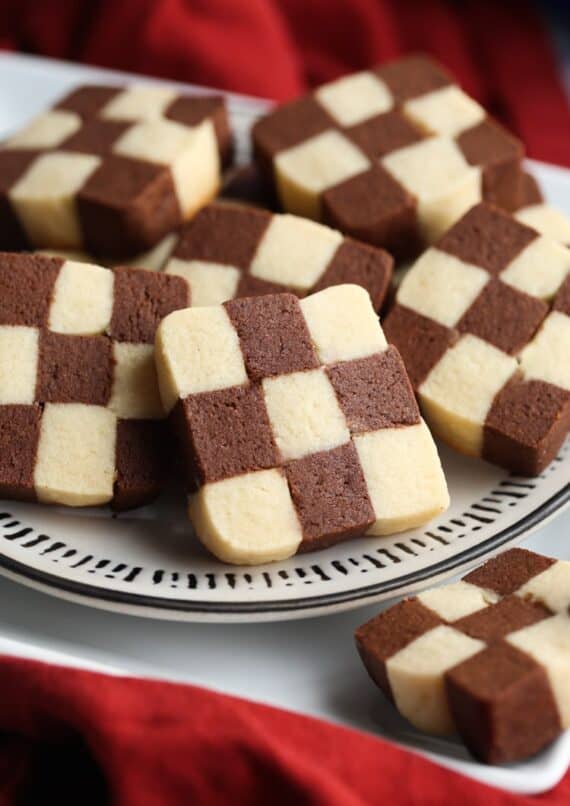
<point x="79" y="404"/>
<point x="536" y="213"/>
<point x="482" y="321"/>
<point x="111" y="170"/>
<point x="488" y="656"/>
<point x="230" y="250"/>
<point x="392" y="156"/>
<point x="299" y="422"/>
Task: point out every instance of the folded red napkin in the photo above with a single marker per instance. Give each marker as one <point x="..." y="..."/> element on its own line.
<point x="74" y="736"/>
<point x="500" y="51"/>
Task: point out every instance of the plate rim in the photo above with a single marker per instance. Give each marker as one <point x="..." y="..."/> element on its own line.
<point x="144" y="604"/>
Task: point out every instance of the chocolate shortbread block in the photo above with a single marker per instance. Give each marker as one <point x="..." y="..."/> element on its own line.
<point x="488" y="657"/>
<point x="544" y="218"/>
<point x="299" y="422"/>
<point x="392" y="156"/>
<point x="231" y="250"/>
<point x="482" y="321"/>
<point x="111" y="170"/>
<point x="81" y="420"/>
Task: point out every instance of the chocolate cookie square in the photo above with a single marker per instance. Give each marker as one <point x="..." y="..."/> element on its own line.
<point x="483" y="323"/>
<point x="111" y="170"/>
<point x="299" y="423"/>
<point x="486" y="657"/>
<point x="81" y="422"/>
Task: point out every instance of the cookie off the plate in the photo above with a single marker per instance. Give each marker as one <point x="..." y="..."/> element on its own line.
<point x="488" y="657"/>
<point x="111" y="170"/>
<point x="482" y="321"/>
<point x="299" y="423"/>
<point x="392" y="156"/>
<point x="81" y="421"/>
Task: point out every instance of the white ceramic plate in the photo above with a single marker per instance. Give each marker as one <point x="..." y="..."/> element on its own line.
<point x="147" y="562"/>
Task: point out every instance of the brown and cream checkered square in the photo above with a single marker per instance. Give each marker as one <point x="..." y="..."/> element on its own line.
<point x="392" y="156"/>
<point x="299" y="422"/>
<point x="482" y="321"/>
<point x="535" y="212"/>
<point x="80" y="410"/>
<point x="111" y="170"/>
<point x="230" y="251"/>
<point x="488" y="656"/>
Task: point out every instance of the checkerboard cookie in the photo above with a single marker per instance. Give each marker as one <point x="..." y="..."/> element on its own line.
<point x="392" y="156"/>
<point x="111" y="170"/>
<point x="482" y="321"/>
<point x="488" y="657"/>
<point x="299" y="423"/>
<point x="80" y="412"/>
<point x="232" y="250"/>
<point x="536" y="213"/>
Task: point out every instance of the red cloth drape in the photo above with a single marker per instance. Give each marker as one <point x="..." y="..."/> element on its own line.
<point x="277" y="48"/>
<point x="74" y="737"/>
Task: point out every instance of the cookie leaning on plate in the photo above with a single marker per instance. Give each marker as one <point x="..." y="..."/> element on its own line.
<point x="482" y="321"/>
<point x="299" y="423"/>
<point x="111" y="170"/>
<point x="80" y="413"/>
<point x="392" y="156"/>
<point x="488" y="656"/>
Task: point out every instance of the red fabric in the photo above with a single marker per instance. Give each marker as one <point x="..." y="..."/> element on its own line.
<point x="72" y="736"/>
<point x="277" y="48"/>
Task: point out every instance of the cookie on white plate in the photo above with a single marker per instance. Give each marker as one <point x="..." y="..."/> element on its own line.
<point x="482" y="321"/>
<point x="81" y="420"/>
<point x="299" y="423"/>
<point x="111" y="170"/>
